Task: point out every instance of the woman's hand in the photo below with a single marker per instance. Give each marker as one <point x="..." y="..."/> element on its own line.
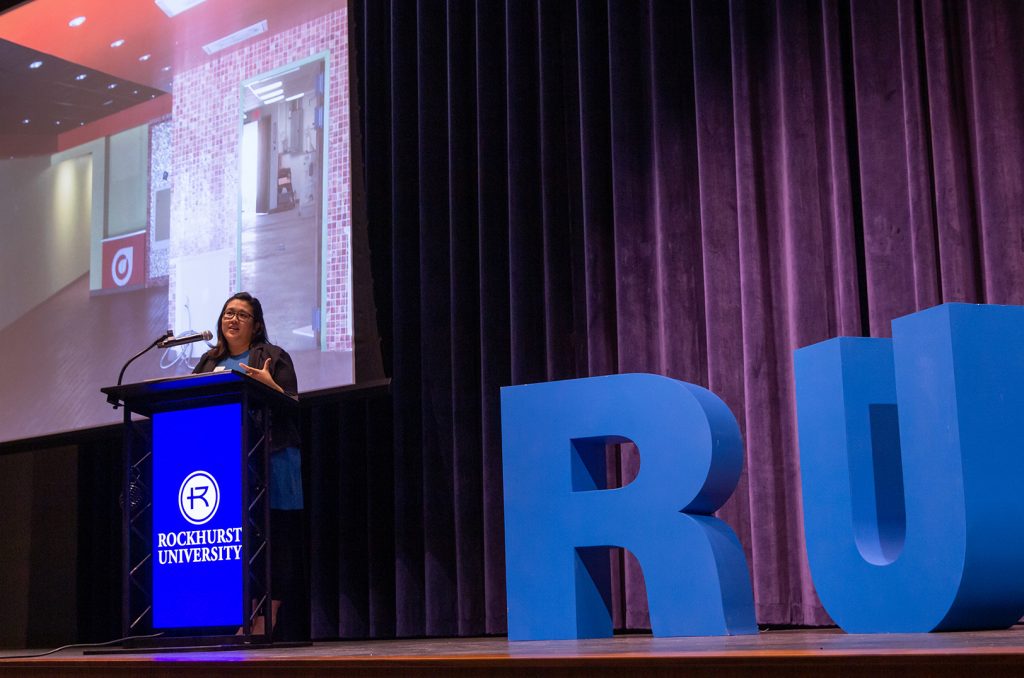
<point x="262" y="375"/>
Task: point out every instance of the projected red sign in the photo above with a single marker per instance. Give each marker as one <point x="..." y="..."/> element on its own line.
<point x="124" y="261"/>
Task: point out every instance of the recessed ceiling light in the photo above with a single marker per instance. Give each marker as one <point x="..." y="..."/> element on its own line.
<point x="145" y="57"/>
<point x="81" y="76"/>
<point x="165" y="69"/>
<point x="35" y="64"/>
<point x="117" y="43"/>
<point x="236" y="37"/>
<point x="135" y="91"/>
<point x="266" y="88"/>
<point x="172" y="8"/>
<point x="77" y="21"/>
<point x="56" y="122"/>
<point x="112" y="85"/>
<point x="81" y="122"/>
<point x="25" y="121"/>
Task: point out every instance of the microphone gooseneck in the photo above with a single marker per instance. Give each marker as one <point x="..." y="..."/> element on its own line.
<point x="163" y="341"/>
<point x="112" y="399"/>
<point x="169" y="341"/>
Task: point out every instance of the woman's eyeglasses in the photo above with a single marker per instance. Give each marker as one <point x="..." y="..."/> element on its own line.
<point x="231" y="314"/>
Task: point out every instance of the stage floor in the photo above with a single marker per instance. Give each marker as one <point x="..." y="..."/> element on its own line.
<point x="818" y="652"/>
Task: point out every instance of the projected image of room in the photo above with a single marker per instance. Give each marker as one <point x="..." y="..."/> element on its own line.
<point x="160" y="157"/>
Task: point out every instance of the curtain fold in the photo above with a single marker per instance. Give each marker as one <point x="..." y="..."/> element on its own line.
<point x="562" y="189"/>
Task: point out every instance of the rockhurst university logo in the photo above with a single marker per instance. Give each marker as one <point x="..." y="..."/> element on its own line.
<point x="198" y="501"/>
<point x="198" y="497"/>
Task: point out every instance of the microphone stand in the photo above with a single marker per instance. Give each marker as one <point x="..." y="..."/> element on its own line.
<point x="113" y="399"/>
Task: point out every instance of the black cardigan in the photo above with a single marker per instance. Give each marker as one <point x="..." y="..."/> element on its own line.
<point x="284" y="431"/>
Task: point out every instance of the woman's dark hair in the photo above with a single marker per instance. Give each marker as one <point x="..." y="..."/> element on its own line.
<point x="259" y="328"/>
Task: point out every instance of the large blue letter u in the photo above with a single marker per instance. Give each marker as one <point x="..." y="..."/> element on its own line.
<point x="912" y="464"/>
<point x="559" y="522"/>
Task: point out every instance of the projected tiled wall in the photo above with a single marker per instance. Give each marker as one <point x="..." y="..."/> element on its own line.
<point x="205" y="151"/>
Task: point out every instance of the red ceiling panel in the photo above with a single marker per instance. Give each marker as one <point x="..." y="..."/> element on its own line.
<point x="176" y="42"/>
<point x="90" y="81"/>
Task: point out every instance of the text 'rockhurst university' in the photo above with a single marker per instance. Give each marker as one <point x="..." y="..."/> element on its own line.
<point x="199" y="546"/>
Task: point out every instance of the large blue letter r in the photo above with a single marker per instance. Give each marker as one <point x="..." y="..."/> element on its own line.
<point x="559" y="522"/>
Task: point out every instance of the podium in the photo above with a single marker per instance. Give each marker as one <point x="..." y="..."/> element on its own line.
<point x="196" y="509"/>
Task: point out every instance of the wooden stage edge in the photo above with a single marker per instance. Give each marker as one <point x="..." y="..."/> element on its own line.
<point x="814" y="652"/>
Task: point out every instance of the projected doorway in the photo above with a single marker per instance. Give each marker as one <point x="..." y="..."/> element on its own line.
<point x="281" y="226"/>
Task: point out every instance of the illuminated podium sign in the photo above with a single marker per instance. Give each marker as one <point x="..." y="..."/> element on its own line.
<point x="197" y="517"/>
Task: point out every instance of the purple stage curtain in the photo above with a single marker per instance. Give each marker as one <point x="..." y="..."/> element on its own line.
<point x="565" y="189"/>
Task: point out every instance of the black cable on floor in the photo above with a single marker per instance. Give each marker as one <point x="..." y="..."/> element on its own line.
<point x="81" y="645"/>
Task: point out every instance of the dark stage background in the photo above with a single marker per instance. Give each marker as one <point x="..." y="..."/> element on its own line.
<point x="558" y="189"/>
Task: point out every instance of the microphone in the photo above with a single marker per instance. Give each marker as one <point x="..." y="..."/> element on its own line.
<point x="205" y="335"/>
